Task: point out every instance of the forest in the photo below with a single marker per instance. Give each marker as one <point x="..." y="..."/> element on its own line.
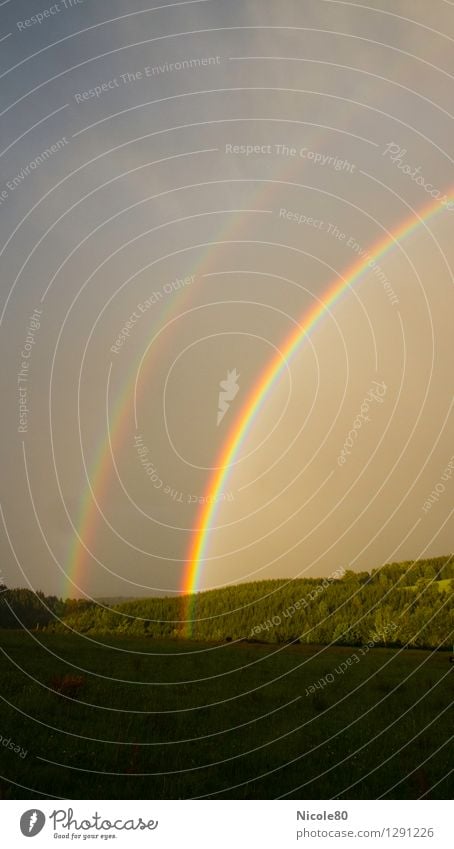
<point x="399" y="604"/>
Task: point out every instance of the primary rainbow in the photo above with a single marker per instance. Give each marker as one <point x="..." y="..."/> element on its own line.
<point x="265" y="383"/>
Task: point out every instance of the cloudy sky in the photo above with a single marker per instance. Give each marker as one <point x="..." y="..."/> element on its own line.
<point x="180" y="185"/>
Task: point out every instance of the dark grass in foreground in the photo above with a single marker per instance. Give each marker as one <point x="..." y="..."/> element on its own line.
<point x="380" y="728"/>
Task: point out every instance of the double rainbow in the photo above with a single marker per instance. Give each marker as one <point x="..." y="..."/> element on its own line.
<point x="97" y="486"/>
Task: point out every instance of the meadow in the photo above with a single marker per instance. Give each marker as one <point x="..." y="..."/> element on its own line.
<point x="142" y="718"/>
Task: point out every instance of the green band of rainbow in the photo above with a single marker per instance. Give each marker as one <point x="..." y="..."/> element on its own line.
<point x="244" y="421"/>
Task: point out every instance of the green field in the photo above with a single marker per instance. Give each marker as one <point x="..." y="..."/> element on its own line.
<point x="151" y="719"/>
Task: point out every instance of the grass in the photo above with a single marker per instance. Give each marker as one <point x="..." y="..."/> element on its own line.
<point x="142" y="719"/>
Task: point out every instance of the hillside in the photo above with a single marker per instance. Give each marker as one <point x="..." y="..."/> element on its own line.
<point x="410" y="603"/>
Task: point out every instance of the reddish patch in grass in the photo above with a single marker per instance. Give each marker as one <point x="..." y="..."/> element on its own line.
<point x="68" y="685"/>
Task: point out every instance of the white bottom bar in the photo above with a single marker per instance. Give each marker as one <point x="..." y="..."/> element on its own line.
<point x="225" y="824"/>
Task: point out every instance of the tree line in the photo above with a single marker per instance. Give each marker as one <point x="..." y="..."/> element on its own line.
<point x="401" y="604"/>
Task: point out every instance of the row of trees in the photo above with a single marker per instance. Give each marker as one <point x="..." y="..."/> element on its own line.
<point x="408" y="603"/>
<point x="22" y="608"/>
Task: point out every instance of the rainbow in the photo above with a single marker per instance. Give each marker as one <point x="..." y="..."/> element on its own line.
<point x="98" y="477"/>
<point x="97" y="487"/>
<point x="265" y="383"/>
<point x="86" y="524"/>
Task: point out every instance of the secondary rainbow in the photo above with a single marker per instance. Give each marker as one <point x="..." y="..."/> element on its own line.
<point x="264" y="385"/>
<point x="99" y="474"/>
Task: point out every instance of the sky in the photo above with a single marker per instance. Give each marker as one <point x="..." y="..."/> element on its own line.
<point x="180" y="185"/>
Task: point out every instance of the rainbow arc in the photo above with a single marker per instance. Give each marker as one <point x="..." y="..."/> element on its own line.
<point x="205" y="520"/>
